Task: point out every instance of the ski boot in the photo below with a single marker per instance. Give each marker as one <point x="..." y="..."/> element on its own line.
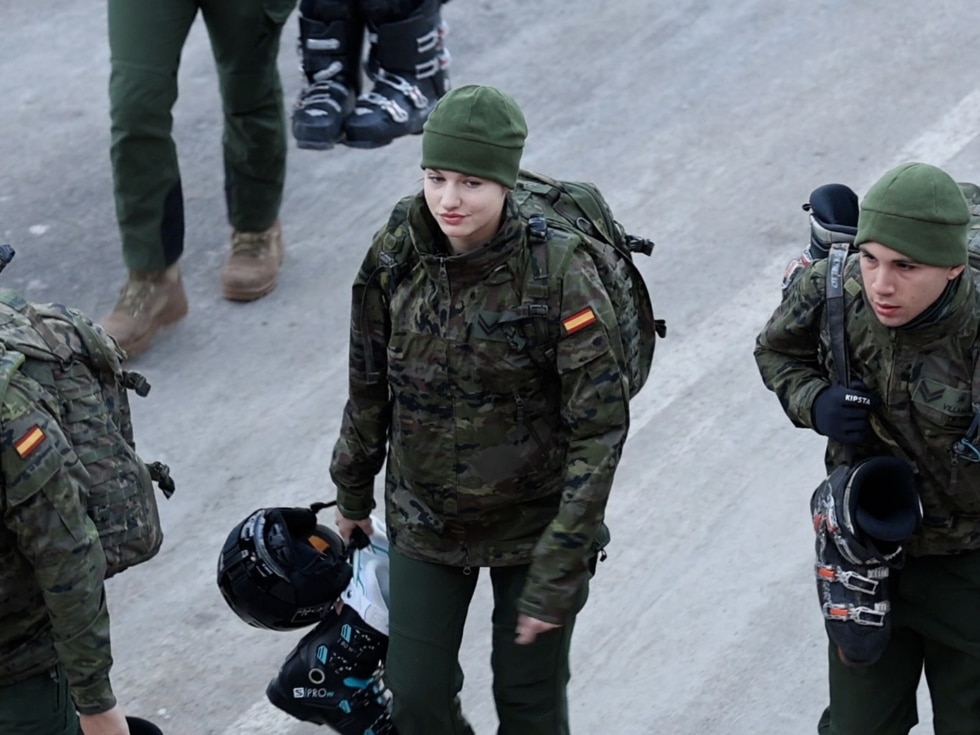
<point x="833" y="212"/>
<point x="862" y="516"/>
<point x="368" y="591"/>
<point x="332" y="677"/>
<point x="408" y="65"/>
<point x="330" y="55"/>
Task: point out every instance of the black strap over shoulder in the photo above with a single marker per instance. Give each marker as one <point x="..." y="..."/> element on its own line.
<point x="835" y="320"/>
<point x="534" y="312"/>
<point x="835" y="311"/>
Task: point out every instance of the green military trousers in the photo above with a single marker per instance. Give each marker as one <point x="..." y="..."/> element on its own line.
<point x="145" y="42"/>
<point x="428" y="608"/>
<point x="40" y="705"/>
<point x="935" y="627"/>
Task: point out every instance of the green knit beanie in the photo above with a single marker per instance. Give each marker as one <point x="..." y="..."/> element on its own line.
<point x="918" y="210"/>
<point x="475" y="130"/>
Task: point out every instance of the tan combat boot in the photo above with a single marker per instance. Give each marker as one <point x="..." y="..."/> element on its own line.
<point x="252" y="266"/>
<point x="148" y="301"/>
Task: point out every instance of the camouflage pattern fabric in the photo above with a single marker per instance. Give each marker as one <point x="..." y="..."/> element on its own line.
<point x="923" y="374"/>
<point x="77" y="362"/>
<point x="492" y="460"/>
<point x="52" y="601"/>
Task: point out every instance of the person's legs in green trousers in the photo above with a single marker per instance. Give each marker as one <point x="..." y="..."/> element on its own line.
<point x="429" y="603"/>
<point x="878" y="699"/>
<point x="935" y="626"/>
<point x="245" y="40"/>
<point x="40" y="705"/>
<point x="145" y="42"/>
<point x="427" y="612"/>
<point x="146" y="39"/>
<point x="529" y="681"/>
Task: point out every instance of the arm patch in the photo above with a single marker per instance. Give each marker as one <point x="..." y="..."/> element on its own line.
<point x="30" y="441"/>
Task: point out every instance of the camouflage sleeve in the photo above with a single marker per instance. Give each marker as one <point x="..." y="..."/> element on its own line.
<point x="359" y="452"/>
<point x="595" y="413"/>
<point x="46" y="513"/>
<point x="787" y="349"/>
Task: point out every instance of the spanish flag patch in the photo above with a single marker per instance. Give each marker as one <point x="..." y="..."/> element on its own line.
<point x="578" y="320"/>
<point x="29" y="442"/>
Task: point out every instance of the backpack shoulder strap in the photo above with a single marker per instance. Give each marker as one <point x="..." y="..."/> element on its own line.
<point x="395" y="259"/>
<point x="551" y="253"/>
<point x="835" y="311"/>
<point x="536" y="318"/>
<point x="968" y="446"/>
<point x="835" y="320"/>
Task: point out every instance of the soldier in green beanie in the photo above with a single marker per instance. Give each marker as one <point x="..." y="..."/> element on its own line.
<point x="493" y="460"/>
<point x="912" y="321"/>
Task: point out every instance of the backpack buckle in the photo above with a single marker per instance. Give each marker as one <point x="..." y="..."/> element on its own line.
<point x="160" y="473"/>
<point x="637" y="244"/>
<point x="537" y="228"/>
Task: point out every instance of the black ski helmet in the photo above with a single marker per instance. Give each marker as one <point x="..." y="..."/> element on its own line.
<point x="280" y="570"/>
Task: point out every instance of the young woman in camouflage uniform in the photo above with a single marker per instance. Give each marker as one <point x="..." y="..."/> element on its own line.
<point x="493" y="460"/>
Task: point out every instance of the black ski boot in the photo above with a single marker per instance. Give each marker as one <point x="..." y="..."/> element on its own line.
<point x="409" y="66"/>
<point x="862" y="516"/>
<point x="330" y="54"/>
<point x="833" y="212"/>
<point x="332" y="677"/>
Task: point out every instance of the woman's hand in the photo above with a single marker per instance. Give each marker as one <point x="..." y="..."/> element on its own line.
<point x="529" y="628"/>
<point x="110" y="722"/>
<point x="345" y="526"/>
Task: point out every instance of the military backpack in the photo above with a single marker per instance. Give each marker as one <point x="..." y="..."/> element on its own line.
<point x="578" y="210"/>
<point x="79" y="365"/>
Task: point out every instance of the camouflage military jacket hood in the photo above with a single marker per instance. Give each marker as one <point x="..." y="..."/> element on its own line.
<point x="491" y="459"/>
<point x="924" y="375"/>
<point x="468" y="268"/>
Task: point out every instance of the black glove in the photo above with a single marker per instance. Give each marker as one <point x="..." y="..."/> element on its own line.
<point x="844" y="414"/>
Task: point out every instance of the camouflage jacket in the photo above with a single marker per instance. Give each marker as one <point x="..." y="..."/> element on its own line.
<point x="492" y="459"/>
<point x="923" y="375"/>
<point x="52" y="601"/>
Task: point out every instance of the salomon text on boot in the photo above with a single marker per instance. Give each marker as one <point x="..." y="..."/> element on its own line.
<point x="409" y="67"/>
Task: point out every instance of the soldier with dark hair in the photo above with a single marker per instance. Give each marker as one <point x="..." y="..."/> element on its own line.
<point x="54" y="624"/>
<point x="493" y="458"/>
<point x="912" y="319"/>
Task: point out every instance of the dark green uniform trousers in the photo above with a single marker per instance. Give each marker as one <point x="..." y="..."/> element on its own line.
<point x="145" y="41"/>
<point x="429" y="603"/>
<point x="935" y="627"/>
<point x="40" y="705"/>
